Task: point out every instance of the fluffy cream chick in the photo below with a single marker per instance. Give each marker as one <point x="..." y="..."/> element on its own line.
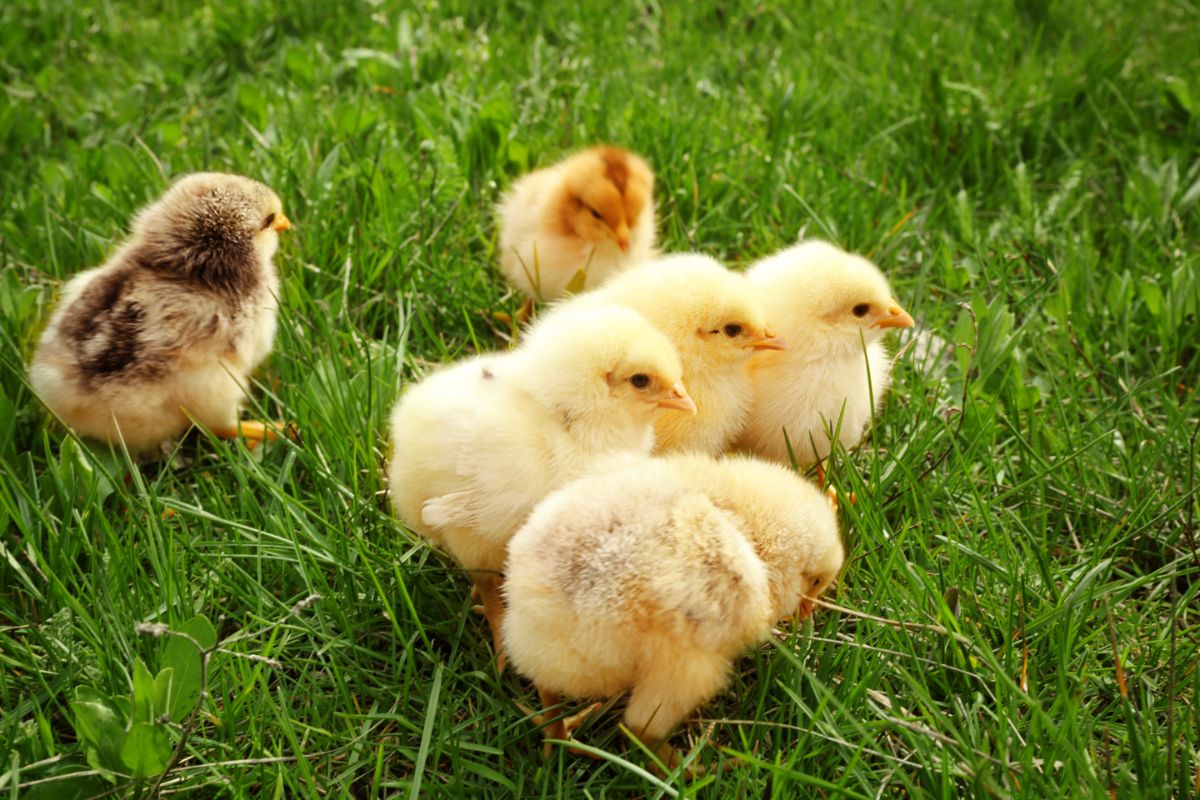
<point x="653" y="576"/>
<point x="827" y="303"/>
<point x="715" y="322"/>
<point x="592" y="213"/>
<point x="477" y="445"/>
<point x="169" y="329"/>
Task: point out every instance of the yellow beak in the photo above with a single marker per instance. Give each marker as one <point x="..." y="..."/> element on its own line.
<point x="805" y="609"/>
<point x="897" y="318"/>
<point x="281" y="223"/>
<point x="678" y="399"/>
<point x="621" y="234"/>
<point x="768" y="341"/>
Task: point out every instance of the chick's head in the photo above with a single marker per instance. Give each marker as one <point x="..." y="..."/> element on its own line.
<point x="818" y="290"/>
<point x="790" y="522"/>
<point x="596" y="363"/>
<point x="214" y="228"/>
<point x="704" y="308"/>
<point x="605" y="192"/>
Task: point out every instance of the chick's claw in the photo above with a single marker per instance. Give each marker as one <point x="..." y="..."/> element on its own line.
<point x="670" y="756"/>
<point x="557" y="726"/>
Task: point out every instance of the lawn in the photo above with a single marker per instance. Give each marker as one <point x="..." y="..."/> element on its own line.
<point x="1023" y="561"/>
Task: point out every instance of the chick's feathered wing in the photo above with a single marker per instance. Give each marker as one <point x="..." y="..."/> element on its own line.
<point x="629" y="568"/>
<point x="475" y="479"/>
<point x="126" y="340"/>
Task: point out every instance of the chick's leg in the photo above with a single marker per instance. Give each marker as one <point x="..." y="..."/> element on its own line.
<point x="666" y="694"/>
<point x="487" y="586"/>
<point x="556" y="724"/>
<point x="255" y="431"/>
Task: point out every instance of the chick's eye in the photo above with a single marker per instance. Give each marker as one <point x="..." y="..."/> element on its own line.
<point x="595" y="213"/>
<point x="861" y="309"/>
<point x="732" y="330"/>
<point x="268" y="221"/>
<point x="640" y="380"/>
<point x="816" y="582"/>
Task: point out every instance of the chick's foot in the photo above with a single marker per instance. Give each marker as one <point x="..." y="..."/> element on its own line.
<point x="556" y="725"/>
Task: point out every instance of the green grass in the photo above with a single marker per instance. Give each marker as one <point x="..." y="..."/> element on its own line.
<point x="1027" y="173"/>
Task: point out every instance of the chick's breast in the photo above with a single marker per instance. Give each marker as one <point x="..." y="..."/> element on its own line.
<point x="621" y="576"/>
<point x="810" y="397"/>
<point x="723" y="395"/>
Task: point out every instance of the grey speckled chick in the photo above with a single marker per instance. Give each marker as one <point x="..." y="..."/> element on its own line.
<point x="170" y="328"/>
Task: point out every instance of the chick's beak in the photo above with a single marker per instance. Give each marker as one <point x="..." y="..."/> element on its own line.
<point x="768" y="341"/>
<point x="621" y="234"/>
<point x="281" y="223"/>
<point x="896" y="317"/>
<point x="804" y="611"/>
<point x="677" y="398"/>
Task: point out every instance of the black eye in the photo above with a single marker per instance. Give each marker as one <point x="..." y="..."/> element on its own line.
<point x="640" y="380"/>
<point x="816" y="582"/>
<point x="861" y="309"/>
<point x="595" y="213"/>
<point x="732" y="330"/>
<point x="267" y="222"/>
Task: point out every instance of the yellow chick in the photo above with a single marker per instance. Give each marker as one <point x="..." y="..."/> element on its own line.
<point x="713" y="319"/>
<point x="477" y="445"/>
<point x="828" y="304"/>
<point x="590" y="215"/>
<point x="651" y="577"/>
<point x="169" y="329"/>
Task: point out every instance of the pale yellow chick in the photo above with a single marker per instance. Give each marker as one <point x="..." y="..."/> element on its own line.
<point x="828" y="304"/>
<point x="715" y="322"/>
<point x="651" y="577"/>
<point x="170" y="328"/>
<point x="576" y="223"/>
<point x="478" y="444"/>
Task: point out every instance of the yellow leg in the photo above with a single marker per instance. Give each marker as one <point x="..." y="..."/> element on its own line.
<point x="525" y="312"/>
<point x="487" y="588"/>
<point x="832" y="496"/>
<point x="255" y="431"/>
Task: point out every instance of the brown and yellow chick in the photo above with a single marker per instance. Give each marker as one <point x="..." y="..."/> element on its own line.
<point x="653" y="576"/>
<point x="477" y="445"/>
<point x="715" y="322"/>
<point x="170" y="328"/>
<point x="577" y="222"/>
<point x="830" y="305"/>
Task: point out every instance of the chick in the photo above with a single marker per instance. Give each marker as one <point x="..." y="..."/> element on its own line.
<point x="828" y="304"/>
<point x="715" y="322"/>
<point x="653" y="576"/>
<point x="477" y="445"/>
<point x="590" y="215"/>
<point x="168" y="330"/>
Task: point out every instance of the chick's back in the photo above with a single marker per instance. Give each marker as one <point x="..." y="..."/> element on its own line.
<point x="620" y="572"/>
<point x="465" y="470"/>
<point x="132" y="354"/>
